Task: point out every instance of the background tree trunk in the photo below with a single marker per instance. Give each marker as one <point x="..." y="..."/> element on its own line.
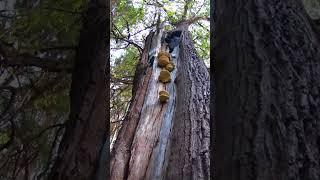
<point x="267" y="74"/>
<point x="171" y="140"/>
<point x="85" y="135"/>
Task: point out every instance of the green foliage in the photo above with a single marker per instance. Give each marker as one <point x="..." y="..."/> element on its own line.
<point x="4" y="138"/>
<point x="201" y="37"/>
<point x="172" y="16"/>
<point x="44" y="148"/>
<point x="125" y="65"/>
<point x="123" y="70"/>
<point x="313" y="8"/>
<point x="29" y="126"/>
<point x="56" y="98"/>
<point x="127" y="15"/>
<point x="41" y="101"/>
<point x="53" y="102"/>
<point x="49" y="23"/>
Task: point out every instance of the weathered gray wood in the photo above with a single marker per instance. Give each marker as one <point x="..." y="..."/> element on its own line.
<point x="151" y="117"/>
<point x="121" y="152"/>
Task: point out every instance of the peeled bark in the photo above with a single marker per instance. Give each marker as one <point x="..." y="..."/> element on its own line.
<point x="267" y="75"/>
<point x="85" y="134"/>
<point x="121" y="152"/>
<point x="165" y="141"/>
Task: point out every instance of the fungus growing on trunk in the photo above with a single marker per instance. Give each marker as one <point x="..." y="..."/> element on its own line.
<point x="170" y="66"/>
<point x="163" y="96"/>
<point x="163" y="58"/>
<point x="164" y="76"/>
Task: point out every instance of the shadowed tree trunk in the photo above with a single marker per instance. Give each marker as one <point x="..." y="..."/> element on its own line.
<point x="79" y="152"/>
<point x="171" y="140"/>
<point x="267" y="74"/>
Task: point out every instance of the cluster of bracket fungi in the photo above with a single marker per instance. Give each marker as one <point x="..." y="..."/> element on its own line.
<point x="164" y="62"/>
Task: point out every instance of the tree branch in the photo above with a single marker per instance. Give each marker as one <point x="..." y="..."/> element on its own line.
<point x="24" y="60"/>
<point x="63" y="10"/>
<point x="121" y="80"/>
<point x="46" y="129"/>
<point x="71" y="48"/>
<point x="186" y="7"/>
<point x="190" y="21"/>
<point x="124" y="38"/>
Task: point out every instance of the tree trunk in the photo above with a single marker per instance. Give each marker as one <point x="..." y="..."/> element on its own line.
<point x="166" y="141"/>
<point x="267" y="74"/>
<point x="79" y="152"/>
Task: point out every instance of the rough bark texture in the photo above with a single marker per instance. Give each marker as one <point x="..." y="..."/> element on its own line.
<point x="188" y="157"/>
<point x="267" y="75"/>
<point x="142" y="149"/>
<point x="79" y="151"/>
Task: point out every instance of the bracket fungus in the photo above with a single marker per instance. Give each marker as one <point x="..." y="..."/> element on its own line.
<point x="163" y="58"/>
<point x="163" y="96"/>
<point x="170" y="66"/>
<point x="164" y="76"/>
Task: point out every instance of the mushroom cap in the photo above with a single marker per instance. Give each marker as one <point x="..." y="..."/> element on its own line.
<point x="164" y="92"/>
<point x="170" y="66"/>
<point x="164" y="76"/>
<point x="163" y="96"/>
<point x="163" y="61"/>
<point x="163" y="58"/>
<point x="163" y="53"/>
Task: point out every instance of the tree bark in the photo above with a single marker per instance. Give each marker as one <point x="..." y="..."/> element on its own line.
<point x="121" y="152"/>
<point x="85" y="134"/>
<point x="188" y="157"/>
<point x="267" y="75"/>
<point x="165" y="141"/>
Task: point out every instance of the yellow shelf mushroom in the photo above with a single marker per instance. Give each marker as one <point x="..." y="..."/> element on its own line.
<point x="163" y="96"/>
<point x="170" y="66"/>
<point x="164" y="76"/>
<point x="163" y="58"/>
<point x="163" y="53"/>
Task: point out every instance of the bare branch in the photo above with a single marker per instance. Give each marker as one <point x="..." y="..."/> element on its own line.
<point x="58" y="48"/>
<point x="46" y="129"/>
<point x="51" y="157"/>
<point x="191" y="20"/>
<point x="62" y="10"/>
<point x="201" y="25"/>
<point x="186" y="8"/>
<point x="124" y="38"/>
<point x="121" y="80"/>
<point x="53" y="65"/>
